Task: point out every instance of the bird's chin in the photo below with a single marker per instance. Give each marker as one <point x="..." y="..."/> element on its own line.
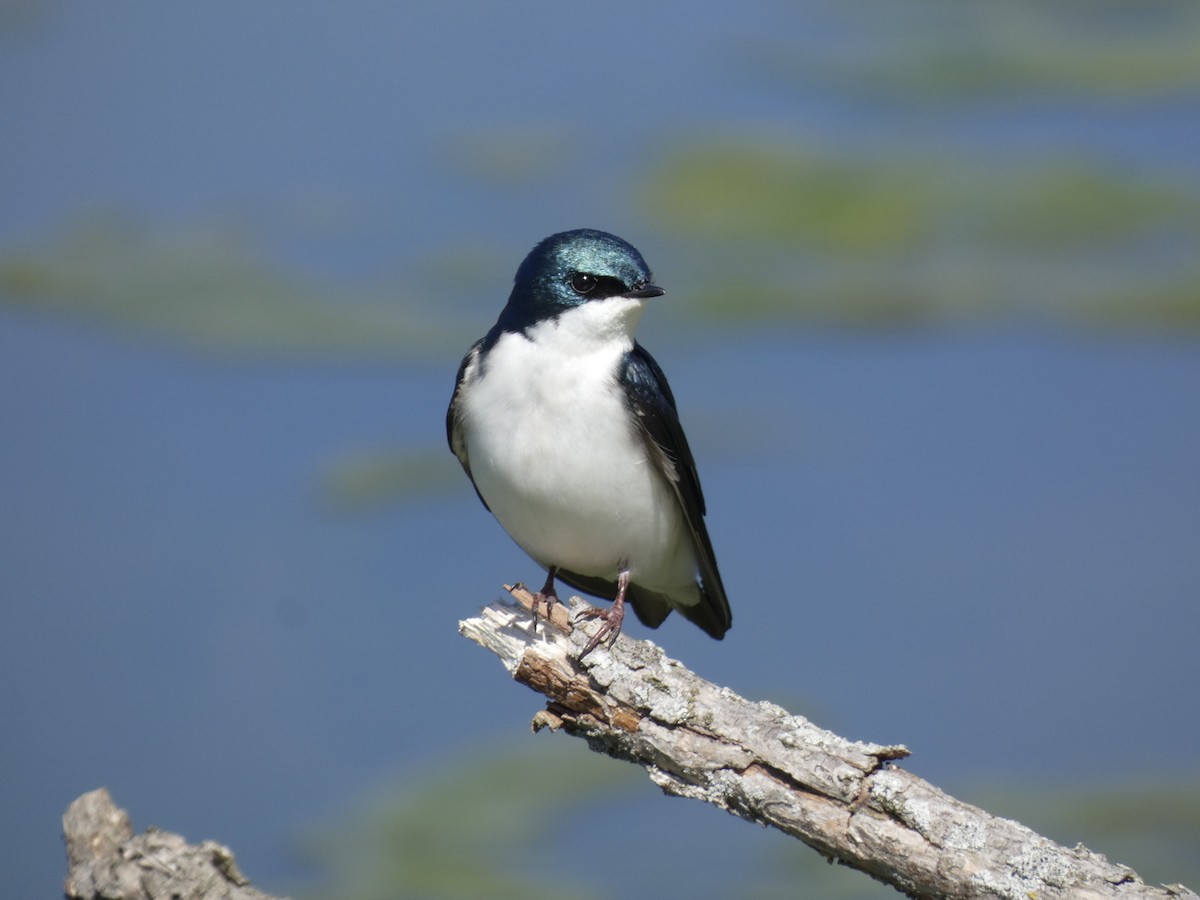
<point x="608" y="318"/>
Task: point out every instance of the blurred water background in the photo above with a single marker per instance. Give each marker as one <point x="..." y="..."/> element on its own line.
<point x="932" y="322"/>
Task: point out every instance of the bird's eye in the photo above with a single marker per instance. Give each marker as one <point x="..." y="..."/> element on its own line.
<point x="583" y="283"/>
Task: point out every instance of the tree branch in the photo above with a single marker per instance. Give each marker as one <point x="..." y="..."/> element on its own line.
<point x="845" y="799"/>
<point x="106" y="860"/>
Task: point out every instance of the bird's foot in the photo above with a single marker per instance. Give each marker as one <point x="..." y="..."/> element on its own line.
<point x="546" y="595"/>
<point x="613" y="616"/>
<point x="550" y="599"/>
<point x="609" y="628"/>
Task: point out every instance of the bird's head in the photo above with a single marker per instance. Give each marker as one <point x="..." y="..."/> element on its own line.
<point x="574" y="268"/>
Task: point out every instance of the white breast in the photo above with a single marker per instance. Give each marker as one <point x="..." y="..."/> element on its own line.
<point x="557" y="458"/>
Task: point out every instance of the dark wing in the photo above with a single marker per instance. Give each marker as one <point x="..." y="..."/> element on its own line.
<point x="454" y="435"/>
<point x="651" y="400"/>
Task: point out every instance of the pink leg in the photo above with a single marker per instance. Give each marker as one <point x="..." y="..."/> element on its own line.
<point x="546" y="595"/>
<point x="613" y="616"/>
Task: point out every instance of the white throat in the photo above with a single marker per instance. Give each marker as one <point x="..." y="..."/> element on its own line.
<point x="598" y="325"/>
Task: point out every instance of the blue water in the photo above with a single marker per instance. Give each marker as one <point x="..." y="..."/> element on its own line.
<point x="979" y="545"/>
<point x="983" y="544"/>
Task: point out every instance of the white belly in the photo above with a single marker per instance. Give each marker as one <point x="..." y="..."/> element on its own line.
<point x="555" y="456"/>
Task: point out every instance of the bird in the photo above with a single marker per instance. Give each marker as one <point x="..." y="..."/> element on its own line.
<point x="569" y="433"/>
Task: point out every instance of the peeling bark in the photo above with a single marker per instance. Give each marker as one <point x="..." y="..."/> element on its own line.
<point x="846" y="799"/>
<point x="106" y="861"/>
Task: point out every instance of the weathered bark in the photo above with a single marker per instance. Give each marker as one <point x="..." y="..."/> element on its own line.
<point x="105" y="860"/>
<point x="846" y="799"/>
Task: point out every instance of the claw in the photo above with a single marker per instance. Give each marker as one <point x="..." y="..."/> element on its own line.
<point x="546" y="595"/>
<point x="613" y="617"/>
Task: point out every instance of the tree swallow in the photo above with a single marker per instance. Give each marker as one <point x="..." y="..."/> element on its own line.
<point x="568" y="430"/>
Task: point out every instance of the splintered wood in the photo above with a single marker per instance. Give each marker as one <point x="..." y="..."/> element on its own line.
<point x="846" y="799"/>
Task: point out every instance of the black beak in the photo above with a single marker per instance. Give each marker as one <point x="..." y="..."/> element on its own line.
<point x="646" y="291"/>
